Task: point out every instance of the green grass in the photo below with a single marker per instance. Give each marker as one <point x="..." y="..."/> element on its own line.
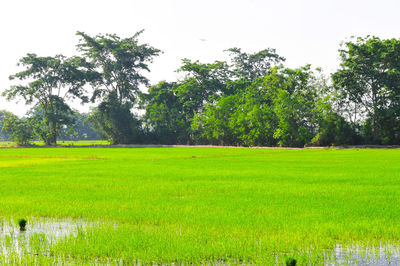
<point x="5" y="144"/>
<point x="205" y="205"/>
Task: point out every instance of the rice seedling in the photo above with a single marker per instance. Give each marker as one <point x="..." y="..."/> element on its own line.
<point x="22" y="224"/>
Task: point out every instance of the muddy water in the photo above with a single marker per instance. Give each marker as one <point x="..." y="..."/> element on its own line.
<point x="39" y="234"/>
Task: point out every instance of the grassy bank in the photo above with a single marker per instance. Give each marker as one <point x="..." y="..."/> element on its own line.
<point x="205" y="204"/>
<point x="6" y="144"/>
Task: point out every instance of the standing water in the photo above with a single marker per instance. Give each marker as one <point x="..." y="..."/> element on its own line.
<point x="355" y="255"/>
<point x="38" y="235"/>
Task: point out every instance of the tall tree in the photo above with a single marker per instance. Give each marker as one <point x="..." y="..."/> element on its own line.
<point x="369" y="76"/>
<point x="295" y="104"/>
<point x="256" y="65"/>
<point x="203" y="83"/>
<point x="49" y="82"/>
<point x="119" y="64"/>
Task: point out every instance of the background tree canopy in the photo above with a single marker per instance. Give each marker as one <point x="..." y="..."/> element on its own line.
<point x="252" y="99"/>
<point x="369" y="78"/>
<point x="49" y="83"/>
<point x="117" y="65"/>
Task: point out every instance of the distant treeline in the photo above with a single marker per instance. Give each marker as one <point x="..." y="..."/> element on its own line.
<point x="23" y="130"/>
<point x="253" y="99"/>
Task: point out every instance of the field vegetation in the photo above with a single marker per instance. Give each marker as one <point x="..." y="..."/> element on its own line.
<point x="198" y="205"/>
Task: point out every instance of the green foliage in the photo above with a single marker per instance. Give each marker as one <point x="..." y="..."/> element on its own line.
<point x="209" y="93"/>
<point x="282" y="108"/>
<point x="369" y="76"/>
<point x="48" y="124"/>
<point x="214" y="125"/>
<point x="50" y="81"/>
<point x="250" y="100"/>
<point x="335" y="131"/>
<point x="252" y="66"/>
<point x="18" y="130"/>
<point x="171" y="107"/>
<point x="164" y="118"/>
<point x="115" y="120"/>
<point x="240" y="119"/>
<point x="203" y="83"/>
<point x="82" y="129"/>
<point x="295" y="105"/>
<point x="3" y="134"/>
<point x="253" y="120"/>
<point x="117" y="65"/>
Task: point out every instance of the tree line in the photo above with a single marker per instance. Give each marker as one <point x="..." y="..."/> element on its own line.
<point x="252" y="99"/>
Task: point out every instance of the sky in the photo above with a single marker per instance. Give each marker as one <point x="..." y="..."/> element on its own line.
<point x="302" y="31"/>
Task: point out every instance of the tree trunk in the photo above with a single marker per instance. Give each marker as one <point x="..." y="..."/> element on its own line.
<point x="375" y="126"/>
<point x="53" y="133"/>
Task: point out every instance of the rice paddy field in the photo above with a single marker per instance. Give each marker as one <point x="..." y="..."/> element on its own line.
<point x="199" y="206"/>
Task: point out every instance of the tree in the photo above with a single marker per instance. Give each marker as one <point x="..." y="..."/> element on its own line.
<point x="17" y="129"/>
<point x="81" y="130"/>
<point x="295" y="98"/>
<point x="369" y="76"/>
<point x="244" y="118"/>
<point x="63" y="117"/>
<point x="252" y="66"/>
<point x="203" y="83"/>
<point x="215" y="124"/>
<point x="115" y="120"/>
<point x="50" y="81"/>
<point x="281" y="108"/>
<point x="204" y="92"/>
<point x="119" y="64"/>
<point x="335" y="130"/>
<point x="3" y="135"/>
<point x="164" y="119"/>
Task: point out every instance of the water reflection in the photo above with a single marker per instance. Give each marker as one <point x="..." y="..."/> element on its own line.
<point x="39" y="234"/>
<point x="381" y="255"/>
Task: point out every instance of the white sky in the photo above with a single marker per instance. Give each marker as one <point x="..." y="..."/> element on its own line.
<point x="303" y="31"/>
